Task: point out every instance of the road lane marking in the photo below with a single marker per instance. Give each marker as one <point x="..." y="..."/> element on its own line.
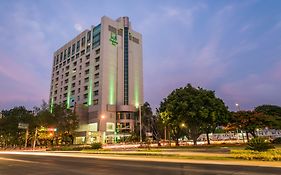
<point x="16" y="160"/>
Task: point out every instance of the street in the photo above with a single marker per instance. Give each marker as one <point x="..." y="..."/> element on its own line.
<point x="84" y="164"/>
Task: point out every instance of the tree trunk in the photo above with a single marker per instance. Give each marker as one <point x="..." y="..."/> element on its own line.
<point x="177" y="142"/>
<point x="194" y="141"/>
<point x="247" y="136"/>
<point x="208" y="139"/>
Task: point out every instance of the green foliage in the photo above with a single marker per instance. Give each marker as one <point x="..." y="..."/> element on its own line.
<point x="259" y="144"/>
<point x="250" y="121"/>
<point x="273" y="111"/>
<point x="270" y="155"/>
<point x="277" y="140"/>
<point x="10" y="134"/>
<point x="63" y="119"/>
<point x="197" y="109"/>
<point x="96" y="145"/>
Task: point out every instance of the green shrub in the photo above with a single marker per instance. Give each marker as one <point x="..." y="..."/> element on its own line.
<point x="96" y="145"/>
<point x="277" y="140"/>
<point x="258" y="144"/>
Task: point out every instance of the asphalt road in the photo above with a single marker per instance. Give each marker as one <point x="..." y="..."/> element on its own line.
<point x="24" y="164"/>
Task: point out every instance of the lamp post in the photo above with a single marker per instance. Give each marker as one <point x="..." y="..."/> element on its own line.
<point x="238" y="109"/>
<point x="140" y="124"/>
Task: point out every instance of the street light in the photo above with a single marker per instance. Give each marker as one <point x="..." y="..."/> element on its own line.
<point x="237" y="106"/>
<point x="140" y="123"/>
<point x="238" y="109"/>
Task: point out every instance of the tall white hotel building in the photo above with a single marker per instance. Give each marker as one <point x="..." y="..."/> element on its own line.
<point x="99" y="74"/>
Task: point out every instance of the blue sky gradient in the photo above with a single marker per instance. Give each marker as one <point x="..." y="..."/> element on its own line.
<point x="231" y="47"/>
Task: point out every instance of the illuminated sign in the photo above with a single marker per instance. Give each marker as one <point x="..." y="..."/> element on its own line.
<point x="113" y="39"/>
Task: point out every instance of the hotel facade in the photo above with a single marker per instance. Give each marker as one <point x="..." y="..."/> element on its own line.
<point x="99" y="74"/>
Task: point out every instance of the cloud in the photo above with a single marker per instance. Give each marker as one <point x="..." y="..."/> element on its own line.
<point x="254" y="89"/>
<point x="78" y="27"/>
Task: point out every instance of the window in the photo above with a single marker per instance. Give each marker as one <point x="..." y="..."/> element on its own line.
<point x="64" y="54"/>
<point x="87" y="64"/>
<point x="120" y="32"/>
<point x="96" y="93"/>
<point x="97" y="75"/>
<point x="87" y="57"/>
<point x="68" y="61"/>
<point x="97" y="67"/>
<point x="85" y="88"/>
<point x="66" y="74"/>
<point x="82" y="52"/>
<point x="89" y="37"/>
<point x="80" y="60"/>
<point x="97" y="59"/>
<point x="80" y="67"/>
<point x="77" y="55"/>
<point x="79" y="82"/>
<point x="86" y="80"/>
<point x="83" y="42"/>
<point x="78" y="46"/>
<point x="78" y="90"/>
<point x="112" y="29"/>
<point x="74" y="63"/>
<point x="66" y="81"/>
<point x="96" y="36"/>
<point x="61" y="57"/>
<point x="73" y="49"/>
<point x="87" y="72"/>
<point x="85" y="96"/>
<point x="67" y="68"/>
<point x="136" y="40"/>
<point x="96" y="101"/>
<point x="74" y="78"/>
<point x="73" y="85"/>
<point x="96" y="84"/>
<point x="65" y="88"/>
<point x="68" y="51"/>
<point x="97" y="51"/>
<point x="65" y="95"/>
<point x="72" y="92"/>
<point x="88" y="49"/>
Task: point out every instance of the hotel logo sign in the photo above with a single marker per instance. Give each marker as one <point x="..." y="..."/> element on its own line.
<point x="113" y="39"/>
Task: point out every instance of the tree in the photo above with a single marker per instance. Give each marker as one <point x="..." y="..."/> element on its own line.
<point x="66" y="122"/>
<point x="271" y="110"/>
<point x="196" y="108"/>
<point x="10" y="134"/>
<point x="250" y="121"/>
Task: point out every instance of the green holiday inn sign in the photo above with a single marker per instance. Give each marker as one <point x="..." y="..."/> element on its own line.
<point x="113" y="39"/>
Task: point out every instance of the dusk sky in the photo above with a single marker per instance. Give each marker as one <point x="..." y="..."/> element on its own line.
<point x="231" y="47"/>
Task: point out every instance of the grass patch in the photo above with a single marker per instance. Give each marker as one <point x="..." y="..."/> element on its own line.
<point x="270" y="155"/>
<point x="158" y="155"/>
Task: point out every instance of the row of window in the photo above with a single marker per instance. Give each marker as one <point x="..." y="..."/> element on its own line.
<point x="71" y="50"/>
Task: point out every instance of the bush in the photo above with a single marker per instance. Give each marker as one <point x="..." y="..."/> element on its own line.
<point x="96" y="145"/>
<point x="277" y="140"/>
<point x="258" y="144"/>
<point x="270" y="155"/>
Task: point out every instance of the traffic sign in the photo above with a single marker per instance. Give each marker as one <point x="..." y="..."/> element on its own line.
<point x="23" y="125"/>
